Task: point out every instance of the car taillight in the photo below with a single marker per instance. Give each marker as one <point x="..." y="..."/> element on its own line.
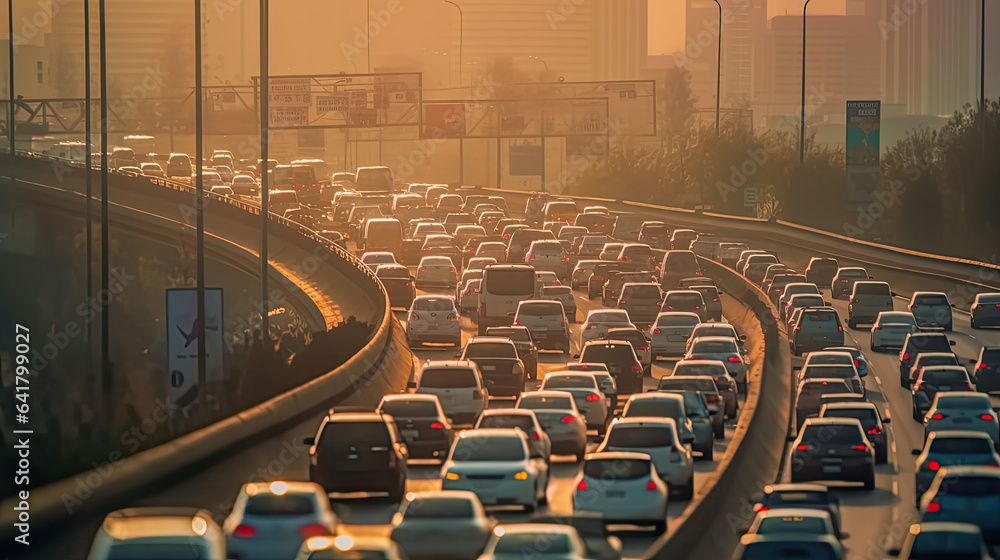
<point x="802" y="446"/>
<point x="477" y="395"/>
<point x="933" y="507"/>
<point x="855" y="362"/>
<point x="568" y="419"/>
<point x="856" y="301"/>
<point x="423" y="269"/>
<point x="245" y="531"/>
<point x="983" y="366"/>
<point x="656" y="331"/>
<point x="622" y="302"/>
<point x="840" y="328"/>
<point x="760" y="507"/>
<point x="453" y="269"/>
<point x="798" y="328"/>
<point x="874" y="431"/>
<point x="582" y="485"/>
<point x="437" y="425"/>
<point x="933" y="465"/>
<point x="712" y="398"/>
<point x="860" y="447"/>
<point x="644" y="348"/>
<point x="938" y="416"/>
<point x="313" y="530"/>
<point x="716" y="299"/>
<point x="565" y="259"/>
<point x="593" y="398"/>
<point x="906" y="356"/>
<point x="986" y="417"/>
<point x="532" y="257"/>
<point x="650" y="485"/>
<point x="536" y="435"/>
<point x="734" y="359"/>
<point x="409" y="284"/>
<point x="467" y="292"/>
<point x="414" y="317"/>
<point x="636" y="368"/>
<point x="878" y="327"/>
<point x="452" y="317"/>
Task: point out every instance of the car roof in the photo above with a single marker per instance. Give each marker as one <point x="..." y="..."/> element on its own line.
<point x="646" y="421"/>
<point x="795" y="487"/>
<point x="850" y="405"/>
<point x="831" y="421"/>
<point x="499" y="339"/>
<point x="466" y="364"/>
<point x="135" y="523"/>
<point x="290" y="487"/>
<point x="547" y="394"/>
<point x="492" y="432"/>
<point x="508" y="412"/>
<point x="334" y="416"/>
<point x="714" y="363"/>
<point x="656" y="396"/>
<point x="795" y="512"/>
<point x="411" y="397"/>
<point x="616" y="455"/>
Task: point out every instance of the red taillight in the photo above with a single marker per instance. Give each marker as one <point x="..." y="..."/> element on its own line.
<point x="622" y="302"/>
<point x="467" y="292"/>
<point x="453" y="269"/>
<point x="938" y="416"/>
<point x="712" y="398"/>
<point x="798" y="328"/>
<point x="414" y="317"/>
<point x="933" y="507"/>
<point x="313" y="530"/>
<point x="874" y="431"/>
<point x="565" y="259"/>
<point x="716" y="299"/>
<point x="855" y="362"/>
<point x="733" y="359"/>
<point x="423" y="269"/>
<point x="507" y="236"/>
<point x="933" y="465"/>
<point x="636" y="368"/>
<point x="532" y="257"/>
<point x="593" y="398"/>
<point x="759" y="507"/>
<point x="986" y="417"/>
<point x="644" y="348"/>
<point x="802" y="447"/>
<point x="536" y="435"/>
<point x="861" y="447"/>
<point x="840" y="328"/>
<point x="656" y="331"/>
<point x="437" y="425"/>
<point x="906" y="356"/>
<point x="409" y="284"/>
<point x="477" y="395"/>
<point x="568" y="419"/>
<point x="856" y="301"/>
<point x="245" y="531"/>
<point x="582" y="485"/>
<point x="650" y="485"/>
<point x="981" y="366"/>
<point x="878" y="327"/>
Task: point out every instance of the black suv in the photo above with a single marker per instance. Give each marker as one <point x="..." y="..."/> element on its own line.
<point x="987" y="372"/>
<point x="619" y="357"/>
<point x="821" y="271"/>
<point x="526" y="349"/>
<point x="358" y="452"/>
<point x="917" y="343"/>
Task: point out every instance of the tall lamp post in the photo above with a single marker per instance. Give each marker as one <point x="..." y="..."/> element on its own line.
<point x="10" y="79"/>
<point x="802" y="116"/>
<point x="718" y="73"/>
<point x="199" y="166"/>
<point x="265" y="122"/>
<point x="461" y="40"/>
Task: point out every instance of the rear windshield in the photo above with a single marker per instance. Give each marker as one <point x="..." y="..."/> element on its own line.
<point x="970" y="485"/>
<point x="289" y="504"/>
<point x="808" y="300"/>
<point x="792" y="524"/>
<point x="439" y="507"/>
<point x="521" y="544"/>
<point x="793" y="498"/>
<point x="608" y="318"/>
<point x="403" y="408"/>
<point x="832" y="433"/>
<point x="947" y="360"/>
<point x="825" y="387"/>
<point x="642" y="292"/>
<point x="640" y="436"/>
<point x="872" y="288"/>
<point x="991" y="354"/>
<point x="570" y="382"/>
<point x="517" y="335"/>
<point x="820" y="317"/>
<point x="540" y="308"/>
<point x="546" y="403"/>
<point x="681" y="261"/>
<point x="945" y="376"/>
<point x="556" y="291"/>
<point x="970" y="402"/>
<point x="931" y="545"/>
<point x="345" y="434"/>
<point x="631" y="335"/>
<point x="971" y="446"/>
<point x="866" y="416"/>
<point x="518" y="282"/>
<point x="607" y="353"/>
<point x="780" y="550"/>
<point x="508" y="421"/>
<point x="929" y="343"/>
<point x="931" y="299"/>
<point x="677" y="321"/>
<point x="434" y="304"/>
<point x="684" y="300"/>
<point x="844" y="372"/>
<point x="616" y="469"/>
<point x="450" y="378"/>
<point x="704" y="385"/>
<point x="490" y="350"/>
<point x="713" y="347"/>
<point x="488" y="449"/>
<point x="547" y="247"/>
<point x="699" y="369"/>
<point x="649" y="407"/>
<point x="852" y="273"/>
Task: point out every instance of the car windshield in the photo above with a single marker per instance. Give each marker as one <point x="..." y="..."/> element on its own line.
<point x="434" y="304"/>
<point x="612" y="469"/>
<point x="792" y="524"/>
<point x="931" y="299"/>
<point x="546" y="403"/>
<point x="556" y="544"/>
<point x="868" y="417"/>
<point x="683" y="300"/>
<point x="970" y="485"/>
<point x="409" y="408"/>
<point x="693" y="368"/>
<point x="570" y="382"/>
<point x="288" y="504"/>
<point x="677" y="320"/>
<point x="803" y="301"/>
<point x="932" y="545"/>
<point x="507" y="421"/>
<point x="820" y="316"/>
<point x="640" y="436"/>
<point x="510" y="282"/>
<point x="540" y="308"/>
<point x="439" y="507"/>
<point x="642" y="292"/>
<point x="488" y="449"/>
<point x="653" y="407"/>
<point x="517" y="335"/>
<point x="842" y="434"/>
<point x="447" y="378"/>
<point x="945" y="376"/>
<point x="490" y="350"/>
<point x="607" y="353"/>
<point x="961" y="446"/>
<point x="965" y="402"/>
<point x="831" y="371"/>
<point x="608" y="318"/>
<point x="713" y="347"/>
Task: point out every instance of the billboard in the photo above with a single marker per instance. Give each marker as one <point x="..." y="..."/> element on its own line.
<point x="863" y="122"/>
<point x="183" y="345"/>
<point x="446" y="120"/>
<point x="526" y="160"/>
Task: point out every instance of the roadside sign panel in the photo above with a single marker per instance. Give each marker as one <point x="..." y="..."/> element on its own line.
<point x="290" y="99"/>
<point x="183" y="345"/>
<point x="288" y="85"/>
<point x="336" y="103"/>
<point x="290" y="116"/>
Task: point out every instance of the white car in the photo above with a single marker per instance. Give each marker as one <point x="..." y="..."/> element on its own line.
<point x="891" y="329"/>
<point x="131" y="532"/>
<point x="425" y="515"/>
<point x="433" y="319"/>
<point x="479" y="263"/>
<point x="724" y="349"/>
<point x="605" y="380"/>
<point x="537" y="541"/>
<point x="496" y="465"/>
<point x="669" y="334"/>
<point x="271" y="519"/>
<point x="658" y="438"/>
<point x="557" y="413"/>
<point x="459" y="388"/>
<point x="962" y="410"/>
<point x="588" y="396"/>
<point x="622" y="487"/>
<point x="523" y="419"/>
<point x="375" y="258"/>
<point x="350" y="546"/>
<point x="152" y="169"/>
<point x="544" y="278"/>
<point x="436" y="273"/>
<point x="600" y="320"/>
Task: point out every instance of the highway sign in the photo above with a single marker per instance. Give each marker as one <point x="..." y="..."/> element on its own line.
<point x="290" y="116"/>
<point x="288" y="85"/>
<point x="336" y="103"/>
<point x="750" y="196"/>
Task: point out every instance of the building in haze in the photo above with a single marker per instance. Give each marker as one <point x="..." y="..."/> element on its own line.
<point x="744" y="28"/>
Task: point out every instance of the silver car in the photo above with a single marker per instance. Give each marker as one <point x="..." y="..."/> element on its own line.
<point x="891" y="329"/>
<point x="962" y="410"/>
<point x="561" y="420"/>
<point x="443" y="524"/>
<point x="546" y="321"/>
<point x="658" y="438"/>
<point x="523" y="419"/>
<point x="671" y="405"/>
<point x="669" y="334"/>
<point x="587" y="394"/>
<point x="726" y="351"/>
<point x="599" y="321"/>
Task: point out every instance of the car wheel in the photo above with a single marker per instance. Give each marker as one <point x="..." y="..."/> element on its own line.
<point x="870" y="480"/>
<point x="852" y="323"/>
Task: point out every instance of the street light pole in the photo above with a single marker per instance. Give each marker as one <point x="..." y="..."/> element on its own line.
<point x="88" y="178"/>
<point x="982" y="73"/>
<point x="106" y="381"/>
<point x="802" y="116"/>
<point x="718" y="73"/>
<point x="10" y="79"/>
<point x="199" y="150"/>
<point x="461" y="139"/>
<point x="265" y="121"/>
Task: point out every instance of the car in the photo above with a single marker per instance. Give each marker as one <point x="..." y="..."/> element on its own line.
<point x="520" y="241"/>
<point x="491" y="249"/>
<point x="891" y="329"/>
<point x="931" y="309"/>
<point x="330" y="547"/>
<point x="535" y="540"/>
<point x="358" y="452"/>
<point x="943" y="540"/>
<point x="560" y="418"/>
<point x="152" y="169"/>
<point x="932" y="380"/>
<point x="433" y="318"/>
<point x="860" y="360"/>
<point x="549" y="255"/>
<point x="639" y="342"/>
<point x="545" y="278"/>
<point x="658" y="438"/>
<point x="243" y="185"/>
<point x="590" y="401"/>
<point x="677" y="264"/>
<point x="931" y="359"/>
<point x="619" y="356"/>
<point x="808" y="393"/>
<point x="436" y="272"/>
<point x="503" y="457"/>
<point x="459" y="387"/>
<point x="271" y="519"/>
<point x="695" y="430"/>
<point x="833" y="448"/>
<point x="655" y="234"/>
<point x="599" y="542"/>
<point x="797" y="302"/>
<point x="841" y="398"/>
<point x="603" y="271"/>
<point x="918" y="343"/>
<point x="564" y="295"/>
<point x="843" y="281"/>
<point x="623" y="488"/>
<point x="715" y="369"/>
<point x="479" y="263"/>
<point x="709" y="392"/>
<point x="638" y="253"/>
<point x="670" y="333"/>
<point x="821" y="270"/>
<point x="799" y="521"/>
<point x="604" y="380"/>
<point x="847" y="372"/>
<point x="581" y="272"/>
<point x="712" y="296"/>
<point x="757" y="266"/>
<point x="641" y="300"/>
<point x="816" y="328"/>
<point x="138" y="532"/>
<point x="600" y="320"/>
<point x="503" y="288"/>
<point x="949" y="448"/>
<point x="801" y="495"/>
<point x="546" y="321"/>
<point x="524" y="420"/>
<point x="445" y="524"/>
<point x="794" y="289"/>
<point x="839" y="356"/>
<point x="745" y="255"/>
<point x="985" y="311"/>
<point x="610" y="251"/>
<point x="871" y="422"/>
<point x="374" y="258"/>
<point x="684" y="301"/>
<point x="717" y="329"/>
<point x="468" y="274"/>
<point x="867" y="301"/>
<point x="725" y="350"/>
<point x="611" y="291"/>
<point x="499" y="363"/>
<point x="776" y="286"/>
<point x="987" y="369"/>
<point x="965" y="494"/>
<point x="398" y="284"/>
<point x="468" y="297"/>
<point x="962" y="410"/>
<point x="526" y="349"/>
<point x="681" y="239"/>
<point x="422" y="423"/>
<point x="785" y="545"/>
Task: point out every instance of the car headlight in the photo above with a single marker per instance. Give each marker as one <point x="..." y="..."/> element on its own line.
<point x="523" y="475"/>
<point x="451" y="476"/>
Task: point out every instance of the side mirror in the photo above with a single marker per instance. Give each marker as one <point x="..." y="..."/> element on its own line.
<point x="887" y="420"/>
<point x="828" y="304"/>
<point x="309" y="441"/>
<point x="743" y="337"/>
<point x="894" y="552"/>
<point x="411" y="384"/>
<point x="576" y="356"/>
<point x="951" y="342"/>
<point x="845" y="535"/>
<point x="915" y="452"/>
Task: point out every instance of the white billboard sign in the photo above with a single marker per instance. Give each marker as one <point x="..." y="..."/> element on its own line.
<point x="289" y="116"/>
<point x="336" y="103"/>
<point x="183" y="345"/>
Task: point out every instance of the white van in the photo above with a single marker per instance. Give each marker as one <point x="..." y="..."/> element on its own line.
<point x="150" y="531"/>
<point x="503" y="288"/>
<point x="373" y="179"/>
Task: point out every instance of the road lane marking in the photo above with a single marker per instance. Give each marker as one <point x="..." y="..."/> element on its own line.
<point x="893" y="445"/>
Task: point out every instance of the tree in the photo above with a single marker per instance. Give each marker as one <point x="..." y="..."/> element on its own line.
<point x="677" y="104"/>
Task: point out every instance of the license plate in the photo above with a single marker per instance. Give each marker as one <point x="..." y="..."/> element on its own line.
<point x="963" y="420"/>
<point x="615" y="494"/>
<point x="944" y="388"/>
<point x="410" y="434"/>
<point x="831" y="469"/>
<point x="432" y="327"/>
<point x="489" y="368"/>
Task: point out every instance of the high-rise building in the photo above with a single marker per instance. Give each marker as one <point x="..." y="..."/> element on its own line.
<point x="932" y="54"/>
<point x="744" y="27"/>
